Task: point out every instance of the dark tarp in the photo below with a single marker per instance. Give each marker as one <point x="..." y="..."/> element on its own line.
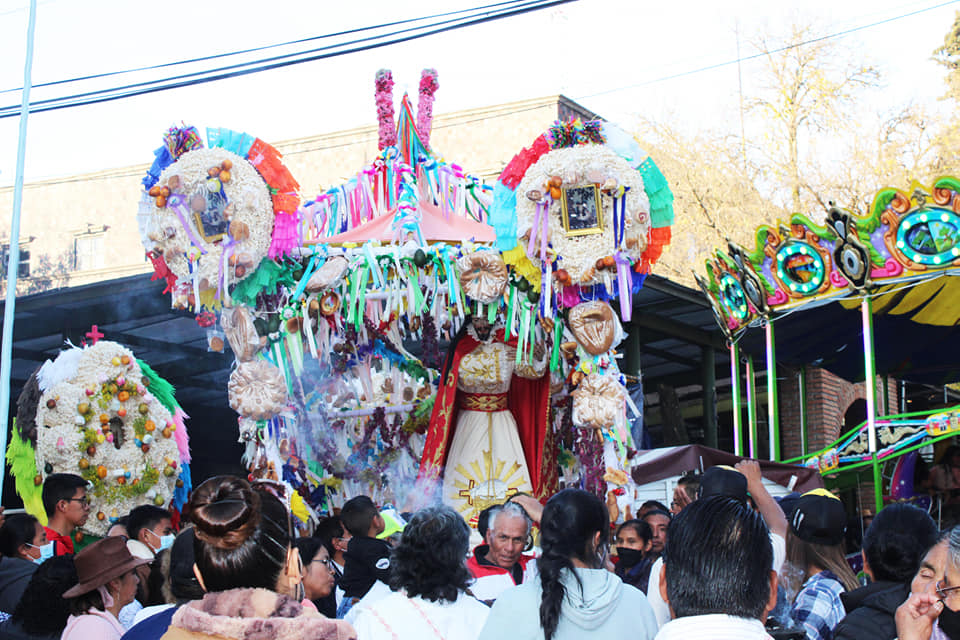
<point x="674" y="461"/>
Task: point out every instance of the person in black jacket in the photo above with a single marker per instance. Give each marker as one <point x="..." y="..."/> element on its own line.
<point x="893" y="547"/>
<point x="367" y="559"/>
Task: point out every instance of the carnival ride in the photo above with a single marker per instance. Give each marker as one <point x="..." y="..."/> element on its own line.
<point x="896" y="265"/>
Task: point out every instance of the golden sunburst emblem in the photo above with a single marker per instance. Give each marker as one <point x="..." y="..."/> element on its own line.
<point x="484" y="484"/>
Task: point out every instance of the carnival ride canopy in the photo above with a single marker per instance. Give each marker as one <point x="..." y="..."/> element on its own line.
<point x="903" y="254"/>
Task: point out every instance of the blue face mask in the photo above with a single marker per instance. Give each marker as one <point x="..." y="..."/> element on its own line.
<point x="46" y="552"/>
<point x="165" y="541"/>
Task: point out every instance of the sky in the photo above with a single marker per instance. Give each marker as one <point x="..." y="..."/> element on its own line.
<point x="623" y="59"/>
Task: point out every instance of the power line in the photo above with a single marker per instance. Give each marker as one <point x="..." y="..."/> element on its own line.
<point x="384" y="25"/>
<point x="738" y="60"/>
<point x="282" y="61"/>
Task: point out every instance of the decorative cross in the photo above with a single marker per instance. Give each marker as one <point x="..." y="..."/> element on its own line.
<point x="94" y="334"/>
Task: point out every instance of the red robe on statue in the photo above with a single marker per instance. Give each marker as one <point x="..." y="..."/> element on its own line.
<point x="528" y="401"/>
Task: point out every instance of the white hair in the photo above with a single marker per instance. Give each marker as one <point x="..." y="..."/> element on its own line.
<point x="510" y="509"/>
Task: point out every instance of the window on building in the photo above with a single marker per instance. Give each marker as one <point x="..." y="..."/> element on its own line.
<point x="88" y="252"/>
<point x="23" y="267"/>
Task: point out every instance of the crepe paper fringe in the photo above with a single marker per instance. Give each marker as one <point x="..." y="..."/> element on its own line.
<point x="522" y="265"/>
<point x="286" y="236"/>
<point x="503" y="216"/>
<point x="160" y="389"/>
<point x="22" y="458"/>
<point x="180" y="140"/>
<point x="384" y="101"/>
<point x="180" y="435"/>
<point x="659" y="238"/>
<point x="233" y="141"/>
<point x="27" y="404"/>
<point x="573" y="133"/>
<point x="658" y="192"/>
<point x="162" y="159"/>
<point x="428" y="87"/>
<point x="181" y="494"/>
<point x="513" y="172"/>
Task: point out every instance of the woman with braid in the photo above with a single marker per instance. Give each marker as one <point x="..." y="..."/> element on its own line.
<point x="574" y="596"/>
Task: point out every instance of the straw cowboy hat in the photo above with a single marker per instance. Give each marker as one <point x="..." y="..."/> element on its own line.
<point x="99" y="563"/>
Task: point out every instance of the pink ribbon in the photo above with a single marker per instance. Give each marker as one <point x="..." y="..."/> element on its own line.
<point x="541" y="224"/>
<point x="175" y="202"/>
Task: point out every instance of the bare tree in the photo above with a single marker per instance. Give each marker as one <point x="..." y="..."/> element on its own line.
<point x="809" y="88"/>
<point x="715" y="197"/>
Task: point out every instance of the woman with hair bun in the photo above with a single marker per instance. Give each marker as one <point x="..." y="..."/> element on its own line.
<point x="245" y="560"/>
<point x="429" y="577"/>
<point x="574" y="596"/>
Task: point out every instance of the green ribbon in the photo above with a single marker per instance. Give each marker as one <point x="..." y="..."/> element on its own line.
<point x="361" y="297"/>
<point x="557" y="337"/>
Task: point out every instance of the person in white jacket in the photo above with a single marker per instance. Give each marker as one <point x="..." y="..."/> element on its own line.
<point x="574" y="596"/>
<point x="430" y="581"/>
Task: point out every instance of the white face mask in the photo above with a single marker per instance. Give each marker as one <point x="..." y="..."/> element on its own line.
<point x="46" y="551"/>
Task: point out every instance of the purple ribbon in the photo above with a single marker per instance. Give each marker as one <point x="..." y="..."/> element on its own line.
<point x="175" y="202"/>
<point x="624" y="281"/>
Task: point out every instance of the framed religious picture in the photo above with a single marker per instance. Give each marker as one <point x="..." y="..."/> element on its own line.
<point x="209" y="206"/>
<point x="582" y="211"/>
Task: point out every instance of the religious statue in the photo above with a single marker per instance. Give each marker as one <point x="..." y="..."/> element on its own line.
<point x="489" y="427"/>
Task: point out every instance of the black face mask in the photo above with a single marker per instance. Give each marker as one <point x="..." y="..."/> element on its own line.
<point x="629" y="557"/>
<point x="949" y="622"/>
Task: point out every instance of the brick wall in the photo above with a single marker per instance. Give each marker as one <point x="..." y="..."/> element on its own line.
<point x="827" y="399"/>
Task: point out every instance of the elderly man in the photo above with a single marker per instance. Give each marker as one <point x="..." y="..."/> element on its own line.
<point x="500" y="563"/>
<point x="723" y="538"/>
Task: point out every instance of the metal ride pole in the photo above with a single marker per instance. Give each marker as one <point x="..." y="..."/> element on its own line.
<point x="751" y="408"/>
<point x="870" y="384"/>
<point x="735" y="388"/>
<point x="802" y="387"/>
<point x="773" y="417"/>
<point x="13" y="259"/>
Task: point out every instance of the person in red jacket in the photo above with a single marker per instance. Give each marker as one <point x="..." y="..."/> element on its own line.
<point x="500" y="563"/>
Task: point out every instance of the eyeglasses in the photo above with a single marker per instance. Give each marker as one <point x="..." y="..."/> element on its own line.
<point x="944" y="592"/>
<point x="84" y="501"/>
<point x="327" y="562"/>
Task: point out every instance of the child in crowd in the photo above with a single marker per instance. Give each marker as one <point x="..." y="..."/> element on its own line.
<point x="367" y="559"/>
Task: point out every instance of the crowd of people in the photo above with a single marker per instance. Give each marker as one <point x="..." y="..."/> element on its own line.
<point x="725" y="560"/>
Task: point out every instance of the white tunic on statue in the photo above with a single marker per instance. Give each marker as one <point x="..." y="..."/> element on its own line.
<point x="485" y="463"/>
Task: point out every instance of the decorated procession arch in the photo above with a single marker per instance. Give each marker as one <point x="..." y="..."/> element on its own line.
<point x="336" y="306"/>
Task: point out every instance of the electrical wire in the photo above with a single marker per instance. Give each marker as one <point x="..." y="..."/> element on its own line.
<point x="727" y="63"/>
<point x="384" y="25"/>
<point x="276" y="62"/>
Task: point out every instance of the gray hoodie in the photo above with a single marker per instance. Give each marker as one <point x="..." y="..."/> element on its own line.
<point x="15" y="573"/>
<point x="605" y="608"/>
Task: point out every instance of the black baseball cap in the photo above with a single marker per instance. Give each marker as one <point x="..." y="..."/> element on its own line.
<point x="722" y="480"/>
<point x="819" y="517"/>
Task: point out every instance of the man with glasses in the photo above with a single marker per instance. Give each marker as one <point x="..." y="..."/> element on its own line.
<point x="67" y="506"/>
